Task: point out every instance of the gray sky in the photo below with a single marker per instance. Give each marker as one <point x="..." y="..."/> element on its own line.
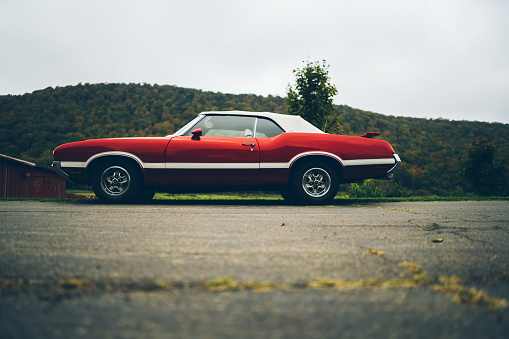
<point x="420" y="58"/>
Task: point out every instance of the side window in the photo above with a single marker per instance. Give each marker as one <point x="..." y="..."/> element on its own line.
<point x="225" y="126"/>
<point x="266" y="128"/>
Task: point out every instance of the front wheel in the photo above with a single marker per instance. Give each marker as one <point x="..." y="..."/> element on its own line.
<point x="314" y="183"/>
<point x="117" y="182"/>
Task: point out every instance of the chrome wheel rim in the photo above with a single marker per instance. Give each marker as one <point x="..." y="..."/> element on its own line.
<point x="316" y="182"/>
<point x="115" y="181"/>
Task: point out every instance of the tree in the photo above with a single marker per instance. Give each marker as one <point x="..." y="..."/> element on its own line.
<point x="483" y="173"/>
<point x="312" y="96"/>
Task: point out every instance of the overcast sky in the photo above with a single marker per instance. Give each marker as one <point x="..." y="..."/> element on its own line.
<point x="429" y="58"/>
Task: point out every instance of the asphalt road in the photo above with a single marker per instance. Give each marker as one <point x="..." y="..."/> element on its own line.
<point x="398" y="270"/>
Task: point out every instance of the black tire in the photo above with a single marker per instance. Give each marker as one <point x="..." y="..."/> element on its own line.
<point x="117" y="182"/>
<point x="146" y="196"/>
<point x="314" y="183"/>
<point x="287" y="195"/>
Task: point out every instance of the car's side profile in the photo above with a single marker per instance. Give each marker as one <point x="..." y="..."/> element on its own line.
<point x="228" y="151"/>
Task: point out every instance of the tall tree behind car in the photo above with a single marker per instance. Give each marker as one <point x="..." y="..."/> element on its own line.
<point x="312" y="96"/>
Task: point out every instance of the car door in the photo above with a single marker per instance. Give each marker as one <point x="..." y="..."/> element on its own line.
<point x="225" y="152"/>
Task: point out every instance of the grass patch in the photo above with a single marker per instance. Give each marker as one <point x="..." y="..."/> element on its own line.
<point x="374" y="252"/>
<point x="255" y="198"/>
<point x="421" y="199"/>
<point x="75" y="287"/>
<point x="11" y="284"/>
<point x="218" y="196"/>
<point x="345" y="284"/>
<point x="75" y="284"/>
<point x="227" y="283"/>
<point x="411" y="267"/>
<point x="221" y="284"/>
<point x="470" y="296"/>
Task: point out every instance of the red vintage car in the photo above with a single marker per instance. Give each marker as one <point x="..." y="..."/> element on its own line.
<point x="228" y="151"/>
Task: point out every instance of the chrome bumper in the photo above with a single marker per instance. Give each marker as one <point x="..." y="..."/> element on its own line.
<point x="58" y="170"/>
<point x="393" y="168"/>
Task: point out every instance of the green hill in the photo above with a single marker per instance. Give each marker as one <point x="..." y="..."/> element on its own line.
<point x="32" y="125"/>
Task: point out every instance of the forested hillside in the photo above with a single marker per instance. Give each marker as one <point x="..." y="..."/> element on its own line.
<point x="430" y="149"/>
<point x="32" y="125"/>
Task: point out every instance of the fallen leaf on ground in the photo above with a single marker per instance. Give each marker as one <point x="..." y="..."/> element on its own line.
<point x="438" y="240"/>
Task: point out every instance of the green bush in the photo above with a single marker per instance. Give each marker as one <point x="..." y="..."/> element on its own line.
<point x="366" y="190"/>
<point x="458" y="192"/>
<point x="377" y="189"/>
<point x="393" y="189"/>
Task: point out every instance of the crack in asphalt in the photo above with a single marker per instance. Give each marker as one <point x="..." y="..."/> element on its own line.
<point x="55" y="292"/>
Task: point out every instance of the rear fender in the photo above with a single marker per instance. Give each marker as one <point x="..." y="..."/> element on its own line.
<point x="318" y="157"/>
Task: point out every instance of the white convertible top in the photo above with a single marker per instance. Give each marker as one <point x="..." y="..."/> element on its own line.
<point x="289" y="123"/>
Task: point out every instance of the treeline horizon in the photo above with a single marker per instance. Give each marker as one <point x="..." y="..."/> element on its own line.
<point x="33" y="124"/>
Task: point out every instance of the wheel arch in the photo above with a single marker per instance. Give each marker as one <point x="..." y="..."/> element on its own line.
<point x="94" y="163"/>
<point x="330" y="159"/>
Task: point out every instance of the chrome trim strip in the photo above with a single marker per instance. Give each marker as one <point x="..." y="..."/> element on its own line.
<point x="154" y="165"/>
<point x="76" y="164"/>
<point x="356" y="162"/>
<point x="263" y="165"/>
<point x="81" y="164"/>
<point x="314" y="153"/>
<point x="393" y="168"/>
<point x="274" y="165"/>
<point x="208" y="165"/>
<point x="125" y="154"/>
<point x="353" y="162"/>
<point x="384" y="161"/>
<point x="255" y="127"/>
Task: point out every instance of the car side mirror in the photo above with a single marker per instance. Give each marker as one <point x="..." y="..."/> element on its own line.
<point x="196" y="134"/>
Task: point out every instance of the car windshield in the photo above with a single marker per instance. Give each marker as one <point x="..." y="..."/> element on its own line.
<point x="187" y="126"/>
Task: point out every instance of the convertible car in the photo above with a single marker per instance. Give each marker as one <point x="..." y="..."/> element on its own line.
<point x="228" y="151"/>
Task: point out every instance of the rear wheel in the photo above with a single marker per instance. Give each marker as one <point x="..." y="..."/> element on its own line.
<point x="117" y="182"/>
<point x="314" y="183"/>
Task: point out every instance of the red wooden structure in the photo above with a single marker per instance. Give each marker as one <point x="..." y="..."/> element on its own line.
<point x="23" y="179"/>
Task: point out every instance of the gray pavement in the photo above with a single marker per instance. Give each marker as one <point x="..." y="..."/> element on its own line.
<point x="94" y="270"/>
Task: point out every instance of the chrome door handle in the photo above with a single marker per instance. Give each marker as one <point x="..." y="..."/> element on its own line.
<point x="248" y="144"/>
